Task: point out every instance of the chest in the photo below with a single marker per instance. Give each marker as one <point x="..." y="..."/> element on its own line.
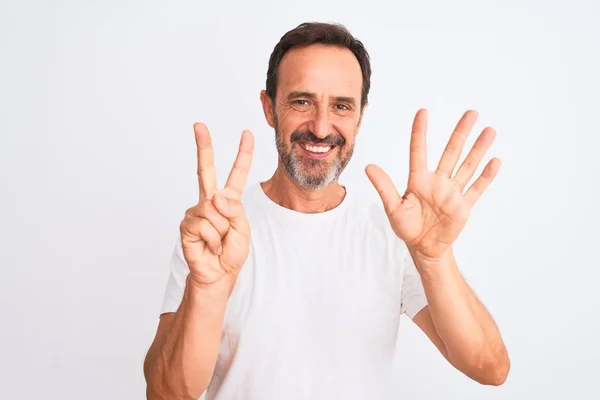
<point x="329" y="291"/>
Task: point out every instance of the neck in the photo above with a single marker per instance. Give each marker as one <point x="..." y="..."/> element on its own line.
<point x="287" y="193"/>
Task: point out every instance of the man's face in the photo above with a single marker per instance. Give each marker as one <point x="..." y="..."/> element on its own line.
<point x="317" y="113"/>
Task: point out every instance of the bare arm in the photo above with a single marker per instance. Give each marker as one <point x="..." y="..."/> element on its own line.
<point x="215" y="236"/>
<point x="429" y="217"/>
<point x="459" y="324"/>
<point x="182" y="358"/>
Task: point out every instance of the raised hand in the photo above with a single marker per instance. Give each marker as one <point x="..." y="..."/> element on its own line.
<point x="215" y="234"/>
<point x="433" y="210"/>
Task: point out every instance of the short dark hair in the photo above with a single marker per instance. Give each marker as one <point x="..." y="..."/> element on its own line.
<point x="322" y="33"/>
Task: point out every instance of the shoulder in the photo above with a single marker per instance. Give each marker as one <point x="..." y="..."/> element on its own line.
<point x="250" y="197"/>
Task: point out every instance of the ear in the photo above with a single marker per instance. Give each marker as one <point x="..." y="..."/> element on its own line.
<point x="267" y="105"/>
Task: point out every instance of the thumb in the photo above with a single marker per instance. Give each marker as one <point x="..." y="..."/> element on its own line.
<point x="384" y="186"/>
<point x="233" y="210"/>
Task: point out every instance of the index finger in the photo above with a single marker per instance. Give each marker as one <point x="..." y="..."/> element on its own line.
<point x="241" y="167"/>
<point x="418" y="145"/>
<point x="207" y="178"/>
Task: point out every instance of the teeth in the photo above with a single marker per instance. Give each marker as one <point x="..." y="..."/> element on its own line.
<point x="317" y="149"/>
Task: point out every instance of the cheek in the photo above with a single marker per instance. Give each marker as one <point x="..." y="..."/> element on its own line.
<point x="288" y="124"/>
<point x="348" y="132"/>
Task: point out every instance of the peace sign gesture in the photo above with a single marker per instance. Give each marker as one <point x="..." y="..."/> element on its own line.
<point x="215" y="234"/>
<point x="434" y="210"/>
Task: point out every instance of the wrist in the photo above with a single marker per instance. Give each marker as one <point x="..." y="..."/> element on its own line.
<point x="219" y="290"/>
<point x="427" y="264"/>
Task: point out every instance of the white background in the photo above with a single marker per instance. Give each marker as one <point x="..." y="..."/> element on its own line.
<point x="97" y="166"/>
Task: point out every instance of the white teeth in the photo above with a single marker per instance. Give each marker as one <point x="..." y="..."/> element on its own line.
<point x="317" y="149"/>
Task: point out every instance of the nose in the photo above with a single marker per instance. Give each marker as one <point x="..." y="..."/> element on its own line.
<point x="320" y="124"/>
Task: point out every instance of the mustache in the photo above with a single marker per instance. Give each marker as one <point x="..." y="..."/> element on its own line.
<point x="308" y="136"/>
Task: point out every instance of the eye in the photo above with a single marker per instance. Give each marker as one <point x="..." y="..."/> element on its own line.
<point x="342" y="107"/>
<point x="300" y="104"/>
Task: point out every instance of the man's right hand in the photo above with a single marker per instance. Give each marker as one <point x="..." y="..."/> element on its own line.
<point x="215" y="234"/>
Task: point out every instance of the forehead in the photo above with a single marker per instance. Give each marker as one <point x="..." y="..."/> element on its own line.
<point x="321" y="69"/>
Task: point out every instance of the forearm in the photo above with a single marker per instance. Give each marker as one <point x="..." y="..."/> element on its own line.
<point x="471" y="337"/>
<point x="181" y="363"/>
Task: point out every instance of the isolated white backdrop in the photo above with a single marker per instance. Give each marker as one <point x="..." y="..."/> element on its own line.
<point x="97" y="166"/>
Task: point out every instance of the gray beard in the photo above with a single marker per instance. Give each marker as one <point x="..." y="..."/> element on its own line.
<point x="303" y="170"/>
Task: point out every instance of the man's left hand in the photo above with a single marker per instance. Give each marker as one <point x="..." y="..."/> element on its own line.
<point x="434" y="210"/>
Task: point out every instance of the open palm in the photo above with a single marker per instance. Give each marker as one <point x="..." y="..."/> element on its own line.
<point x="434" y="210"/>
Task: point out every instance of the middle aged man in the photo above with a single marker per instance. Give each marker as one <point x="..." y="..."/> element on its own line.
<point x="306" y="304"/>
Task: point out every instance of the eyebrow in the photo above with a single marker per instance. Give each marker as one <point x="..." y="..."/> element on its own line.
<point x="342" y="99"/>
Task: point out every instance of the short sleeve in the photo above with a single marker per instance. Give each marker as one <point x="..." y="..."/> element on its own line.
<point x="179" y="271"/>
<point x="413" y="297"/>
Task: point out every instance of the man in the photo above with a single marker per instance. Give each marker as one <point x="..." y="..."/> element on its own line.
<point x="293" y="288"/>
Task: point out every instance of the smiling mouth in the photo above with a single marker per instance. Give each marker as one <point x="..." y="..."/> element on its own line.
<point x="316" y="150"/>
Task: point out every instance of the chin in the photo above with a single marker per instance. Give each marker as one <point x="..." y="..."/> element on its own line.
<point x="315" y="181"/>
